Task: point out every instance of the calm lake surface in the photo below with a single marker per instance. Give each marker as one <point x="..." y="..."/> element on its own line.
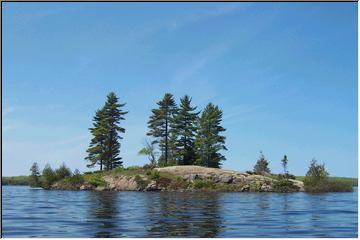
<point x="31" y="212"/>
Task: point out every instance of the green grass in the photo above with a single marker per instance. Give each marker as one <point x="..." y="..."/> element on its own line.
<point x="95" y="178"/>
<point x="352" y="181"/>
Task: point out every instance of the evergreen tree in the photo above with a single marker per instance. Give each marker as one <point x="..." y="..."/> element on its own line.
<point x="96" y="150"/>
<point x="113" y="116"/>
<point x="104" y="147"/>
<point x="160" y="124"/>
<point x="49" y="176"/>
<point x="284" y="163"/>
<point x="63" y="172"/>
<point x="35" y="175"/>
<point x="208" y="141"/>
<point x="185" y="129"/>
<point x="261" y="165"/>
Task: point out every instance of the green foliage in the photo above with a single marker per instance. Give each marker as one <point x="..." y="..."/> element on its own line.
<point x="34" y="178"/>
<point x="185" y="129"/>
<point x="142" y="183"/>
<point x="284" y="163"/>
<point x="208" y="141"/>
<point x="104" y="147"/>
<point x="62" y="172"/>
<point x="255" y="186"/>
<point x="285" y="185"/>
<point x="317" y="180"/>
<point x="95" y="179"/>
<point x="132" y="168"/>
<point x="203" y="184"/>
<point x="71" y="183"/>
<point x="159" y="125"/>
<point x="154" y="175"/>
<point x="261" y="165"/>
<point x="150" y="151"/>
<point x="48" y="176"/>
<point x="316" y="175"/>
<point x="18" y="180"/>
<point x="118" y="169"/>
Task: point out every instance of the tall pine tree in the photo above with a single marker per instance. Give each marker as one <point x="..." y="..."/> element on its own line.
<point x="35" y="175"/>
<point x="104" y="147"/>
<point x="185" y="129"/>
<point x="160" y="124"/>
<point x="208" y="141"/>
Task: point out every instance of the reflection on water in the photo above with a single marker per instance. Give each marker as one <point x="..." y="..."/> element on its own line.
<point x="103" y="208"/>
<point x="38" y="213"/>
<point x="184" y="214"/>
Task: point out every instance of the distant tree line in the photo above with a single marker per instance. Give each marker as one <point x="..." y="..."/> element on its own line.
<point x="48" y="176"/>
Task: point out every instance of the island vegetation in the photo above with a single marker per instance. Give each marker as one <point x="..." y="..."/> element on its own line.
<point x="184" y="152"/>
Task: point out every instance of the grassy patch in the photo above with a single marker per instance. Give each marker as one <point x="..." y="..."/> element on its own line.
<point x="203" y="184"/>
<point x="95" y="179"/>
<point x="329" y="186"/>
<point x="351" y="181"/>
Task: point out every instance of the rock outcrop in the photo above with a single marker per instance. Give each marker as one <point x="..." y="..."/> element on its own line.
<point x="184" y="178"/>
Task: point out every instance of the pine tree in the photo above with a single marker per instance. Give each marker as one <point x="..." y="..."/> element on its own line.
<point x="35" y="175"/>
<point x="113" y="116"/>
<point x="160" y="124"/>
<point x="208" y="141"/>
<point x="185" y="129"/>
<point x="261" y="165"/>
<point x="96" y="151"/>
<point x="49" y="176"/>
<point x="104" y="147"/>
<point x="63" y="172"/>
<point x="284" y="163"/>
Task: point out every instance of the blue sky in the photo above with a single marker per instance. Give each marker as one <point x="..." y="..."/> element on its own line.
<point x="284" y="74"/>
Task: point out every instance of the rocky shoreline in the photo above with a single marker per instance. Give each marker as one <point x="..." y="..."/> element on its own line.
<point x="182" y="178"/>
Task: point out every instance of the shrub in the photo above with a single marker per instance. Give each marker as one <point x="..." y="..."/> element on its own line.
<point x="317" y="180"/>
<point x="155" y="175"/>
<point x="148" y="166"/>
<point x="250" y="172"/>
<point x="286" y="176"/>
<point x="95" y="179"/>
<point x="133" y="168"/>
<point x="142" y="183"/>
<point x="285" y="185"/>
<point x="118" y="169"/>
<point x="203" y="183"/>
<point x="330" y="186"/>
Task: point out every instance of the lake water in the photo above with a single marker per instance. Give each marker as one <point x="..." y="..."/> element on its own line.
<point x="31" y="212"/>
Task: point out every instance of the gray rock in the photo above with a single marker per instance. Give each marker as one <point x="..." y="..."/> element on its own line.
<point x="223" y="179"/>
<point x="152" y="187"/>
<point x="100" y="188"/>
<point x="266" y="188"/>
<point x="245" y="188"/>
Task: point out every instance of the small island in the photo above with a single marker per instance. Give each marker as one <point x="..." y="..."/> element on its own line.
<point x="185" y="154"/>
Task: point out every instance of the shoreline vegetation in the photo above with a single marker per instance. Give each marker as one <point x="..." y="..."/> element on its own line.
<point x="176" y="178"/>
<point x="185" y="151"/>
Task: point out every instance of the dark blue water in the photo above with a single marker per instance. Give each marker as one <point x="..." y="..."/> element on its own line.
<point x="39" y="213"/>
